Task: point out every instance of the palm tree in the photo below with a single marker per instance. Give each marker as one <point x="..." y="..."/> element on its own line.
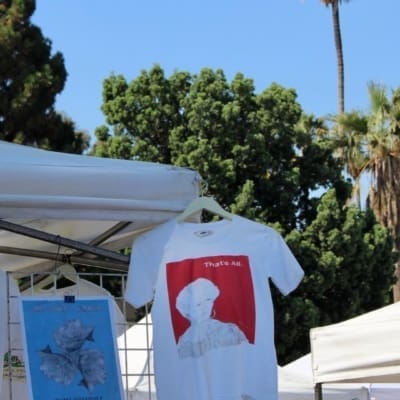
<point x="334" y="4"/>
<point x="378" y="138"/>
<point x="384" y="154"/>
<point x="348" y="144"/>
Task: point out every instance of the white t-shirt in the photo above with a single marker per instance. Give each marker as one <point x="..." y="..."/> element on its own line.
<point x="212" y="312"/>
<point x="18" y="381"/>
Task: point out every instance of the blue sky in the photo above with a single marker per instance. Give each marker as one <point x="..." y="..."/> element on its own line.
<point x="285" y="41"/>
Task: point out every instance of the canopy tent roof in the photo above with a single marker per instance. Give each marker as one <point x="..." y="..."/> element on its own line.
<point x="46" y="197"/>
<point x="295" y="378"/>
<point x="296" y="383"/>
<point x="362" y="349"/>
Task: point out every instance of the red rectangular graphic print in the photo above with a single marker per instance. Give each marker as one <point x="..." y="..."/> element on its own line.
<point x="211" y="302"/>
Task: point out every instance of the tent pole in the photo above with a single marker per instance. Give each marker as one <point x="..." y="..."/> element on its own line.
<point x="318" y="391"/>
<point x="61" y="241"/>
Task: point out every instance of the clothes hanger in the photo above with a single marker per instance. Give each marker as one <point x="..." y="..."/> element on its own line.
<point x="203" y="203"/>
<point x="63" y="271"/>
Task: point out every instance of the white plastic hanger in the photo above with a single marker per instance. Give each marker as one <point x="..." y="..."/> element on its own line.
<point x="63" y="271"/>
<point x="203" y="203"/>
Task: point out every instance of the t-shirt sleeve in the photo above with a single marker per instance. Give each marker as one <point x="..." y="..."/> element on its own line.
<point x="146" y="256"/>
<point x="285" y="271"/>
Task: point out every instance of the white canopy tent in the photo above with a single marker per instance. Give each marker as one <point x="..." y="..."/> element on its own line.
<point x="56" y="206"/>
<point x="295" y="379"/>
<point x="362" y="349"/>
<point x="136" y="360"/>
<point x="296" y="383"/>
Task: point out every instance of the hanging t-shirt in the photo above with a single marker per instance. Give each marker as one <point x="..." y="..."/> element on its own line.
<point x="212" y="312"/>
<point x="17" y="384"/>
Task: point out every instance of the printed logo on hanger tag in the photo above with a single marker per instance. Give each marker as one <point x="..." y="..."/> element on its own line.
<point x="204" y="233"/>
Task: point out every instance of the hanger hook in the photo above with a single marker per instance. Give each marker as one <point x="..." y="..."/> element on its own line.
<point x="203" y="188"/>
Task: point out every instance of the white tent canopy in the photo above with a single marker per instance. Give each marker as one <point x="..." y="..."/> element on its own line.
<point x="362" y="349"/>
<point x="295" y="379"/>
<point x="79" y="198"/>
<point x="136" y="360"/>
<point x="296" y="383"/>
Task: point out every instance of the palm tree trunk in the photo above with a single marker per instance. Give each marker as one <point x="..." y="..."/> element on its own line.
<point x="355" y="198"/>
<point x="396" y="287"/>
<point x="384" y="195"/>
<point x="339" y="55"/>
<point x="357" y="192"/>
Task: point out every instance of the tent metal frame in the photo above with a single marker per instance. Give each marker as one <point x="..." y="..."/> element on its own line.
<point x="105" y="258"/>
<point x="318" y="391"/>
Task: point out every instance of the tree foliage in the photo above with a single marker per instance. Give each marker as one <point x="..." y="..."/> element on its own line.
<point x="238" y="141"/>
<point x="371" y="142"/>
<point x="263" y="159"/>
<point x="30" y="79"/>
<point x="348" y="264"/>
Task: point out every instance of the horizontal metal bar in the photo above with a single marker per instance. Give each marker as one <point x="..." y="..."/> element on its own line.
<point x="72" y="258"/>
<point x="62" y="241"/>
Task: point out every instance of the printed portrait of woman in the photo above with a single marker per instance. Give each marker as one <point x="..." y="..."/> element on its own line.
<point x="196" y="303"/>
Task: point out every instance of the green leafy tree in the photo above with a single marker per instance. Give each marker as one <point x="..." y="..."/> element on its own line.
<point x="30" y="79"/>
<point x="263" y="159"/>
<point x="241" y="143"/>
<point x="348" y="262"/>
